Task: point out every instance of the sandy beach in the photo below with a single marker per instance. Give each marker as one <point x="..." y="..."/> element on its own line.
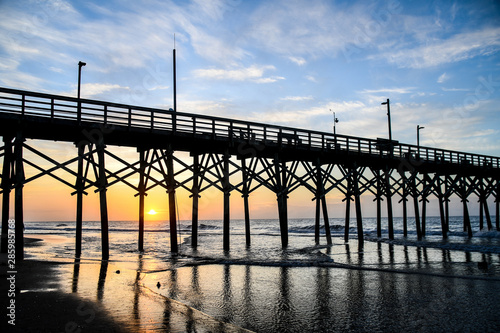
<point x="46" y="301"/>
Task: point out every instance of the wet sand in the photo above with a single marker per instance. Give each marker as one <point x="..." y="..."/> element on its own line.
<point x="52" y="297"/>
<point x="383" y="288"/>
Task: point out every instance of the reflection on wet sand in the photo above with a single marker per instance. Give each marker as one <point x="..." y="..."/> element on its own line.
<point x="432" y="294"/>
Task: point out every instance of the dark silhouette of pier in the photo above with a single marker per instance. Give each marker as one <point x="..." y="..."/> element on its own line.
<point x="278" y="158"/>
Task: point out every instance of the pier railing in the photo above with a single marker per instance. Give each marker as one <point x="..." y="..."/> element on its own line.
<point x="25" y="103"/>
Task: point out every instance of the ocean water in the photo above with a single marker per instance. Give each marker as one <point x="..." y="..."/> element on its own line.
<point x="428" y="285"/>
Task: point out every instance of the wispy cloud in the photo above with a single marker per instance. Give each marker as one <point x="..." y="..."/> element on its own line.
<point x="297" y="98"/>
<point x="460" y="47"/>
<point x="454" y="89"/>
<point x="89" y="90"/>
<point x="443" y="78"/>
<point x="311" y="78"/>
<point x="253" y="73"/>
<point x="402" y="90"/>
<point x="298" y="60"/>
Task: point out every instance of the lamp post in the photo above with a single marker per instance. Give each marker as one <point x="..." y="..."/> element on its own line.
<point x="335" y="120"/>
<point x="80" y="65"/>
<point x="388" y="118"/>
<point x="418" y="135"/>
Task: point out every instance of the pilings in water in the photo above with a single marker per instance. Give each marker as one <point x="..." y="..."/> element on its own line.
<point x="279" y="173"/>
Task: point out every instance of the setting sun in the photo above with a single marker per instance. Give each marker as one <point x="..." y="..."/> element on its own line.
<point x="152" y="212"/>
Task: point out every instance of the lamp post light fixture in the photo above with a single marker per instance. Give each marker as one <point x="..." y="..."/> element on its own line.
<point x="80" y="65"/>
<point x="388" y="117"/>
<point x="335" y="120"/>
<point x="418" y="135"/>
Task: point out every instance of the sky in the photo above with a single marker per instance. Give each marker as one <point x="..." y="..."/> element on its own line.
<point x="288" y="62"/>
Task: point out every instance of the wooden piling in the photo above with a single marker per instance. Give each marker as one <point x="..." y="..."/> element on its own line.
<point x="318" y="206"/>
<point x="317" y="220"/>
<point x="227" y="192"/>
<point x="18" y="196"/>
<point x="347" y="207"/>
<point x="404" y="200"/>
<point x="415" y="206"/>
<point x="424" y="204"/>
<point x="378" y="200"/>
<point x="497" y="204"/>
<point x="102" y="183"/>
<point x="326" y="221"/>
<point x="320" y="192"/>
<point x="487" y="214"/>
<point x="357" y="203"/>
<point x="195" y="193"/>
<point x="497" y="212"/>
<point x="280" y="176"/>
<point x="80" y="183"/>
<point x="481" y="206"/>
<point x="444" y="229"/>
<point x="6" y="189"/>
<point x="142" y="194"/>
<point x="245" y="201"/>
<point x="171" y="201"/>
<point x="467" y="225"/>
<point x="388" y="197"/>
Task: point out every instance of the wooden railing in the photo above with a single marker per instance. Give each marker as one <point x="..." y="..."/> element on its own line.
<point x="24" y="103"/>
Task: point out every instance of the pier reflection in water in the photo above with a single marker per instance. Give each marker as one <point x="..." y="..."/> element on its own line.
<point x="389" y="288"/>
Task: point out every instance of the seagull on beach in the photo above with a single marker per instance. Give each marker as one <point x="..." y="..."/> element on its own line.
<point x="158" y="285"/>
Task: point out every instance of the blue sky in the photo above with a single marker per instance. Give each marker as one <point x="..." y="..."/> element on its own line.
<point x="284" y="62"/>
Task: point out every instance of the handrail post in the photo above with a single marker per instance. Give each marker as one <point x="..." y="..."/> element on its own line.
<point x="23" y="104"/>
<point x="52" y="108"/>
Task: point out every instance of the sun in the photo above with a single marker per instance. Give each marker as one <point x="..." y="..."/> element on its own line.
<point x="152" y="212"/>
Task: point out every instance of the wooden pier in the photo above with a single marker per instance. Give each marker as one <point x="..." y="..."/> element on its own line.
<point x="232" y="156"/>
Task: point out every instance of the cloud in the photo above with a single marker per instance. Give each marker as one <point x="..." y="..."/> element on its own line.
<point x="297" y="98"/>
<point x="93" y="89"/>
<point x="316" y="28"/>
<point x="311" y="78"/>
<point x="454" y="89"/>
<point x="443" y="77"/>
<point x="298" y="60"/>
<point x="402" y="90"/>
<point x="253" y="73"/>
<point x="460" y="47"/>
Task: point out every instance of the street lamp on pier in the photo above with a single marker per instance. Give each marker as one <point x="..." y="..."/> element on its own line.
<point x="418" y="135"/>
<point x="388" y="117"/>
<point x="80" y="65"/>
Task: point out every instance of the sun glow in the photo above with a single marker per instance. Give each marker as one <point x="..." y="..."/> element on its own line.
<point x="152" y="212"/>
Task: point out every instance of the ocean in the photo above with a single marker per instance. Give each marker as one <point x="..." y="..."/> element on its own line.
<point x="428" y="285"/>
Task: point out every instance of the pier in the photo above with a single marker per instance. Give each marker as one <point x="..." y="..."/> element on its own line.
<point x="236" y="157"/>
